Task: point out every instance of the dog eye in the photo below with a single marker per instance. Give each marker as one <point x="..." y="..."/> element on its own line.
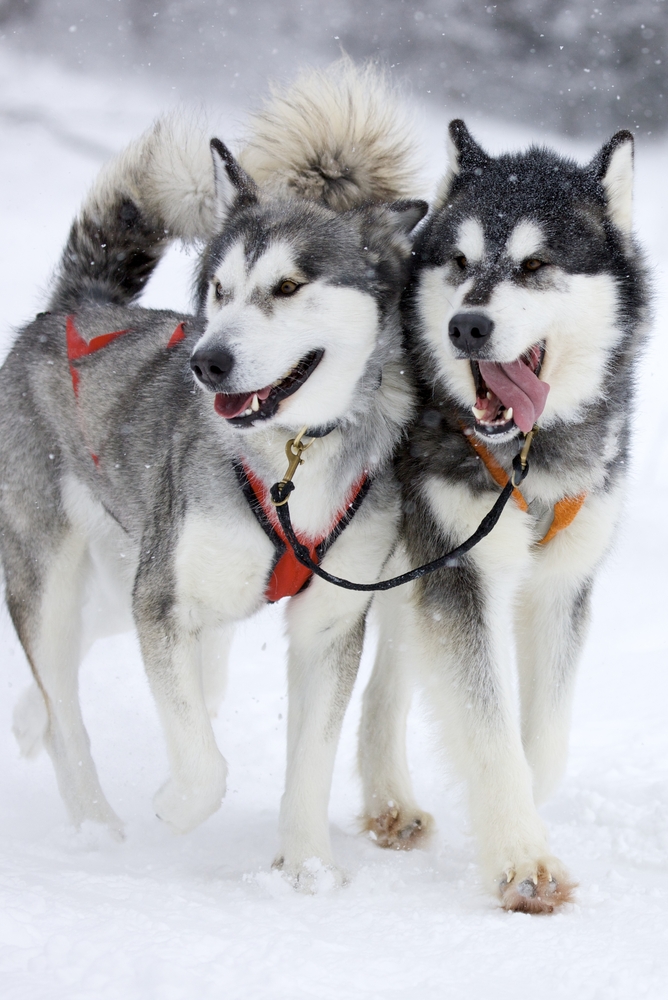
<point x="461" y="261"/>
<point x="218" y="290"/>
<point x="532" y="264"/>
<point x="287" y="287"/>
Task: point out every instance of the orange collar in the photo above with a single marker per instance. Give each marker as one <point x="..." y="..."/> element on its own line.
<point x="565" y="510"/>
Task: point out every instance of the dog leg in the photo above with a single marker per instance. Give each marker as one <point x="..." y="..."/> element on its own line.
<point x="30" y="723"/>
<point x="215" y="650"/>
<point x="197" y="784"/>
<point x="391" y="814"/>
<point x="322" y="666"/>
<point x="551" y="625"/>
<point x="172" y="655"/>
<point x="460" y="627"/>
<point x="53" y="645"/>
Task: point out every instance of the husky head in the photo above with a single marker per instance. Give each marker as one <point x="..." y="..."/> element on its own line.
<point x="527" y="282"/>
<point x="301" y="303"/>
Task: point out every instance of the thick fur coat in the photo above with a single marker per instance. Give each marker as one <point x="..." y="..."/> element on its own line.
<point x="528" y="264"/>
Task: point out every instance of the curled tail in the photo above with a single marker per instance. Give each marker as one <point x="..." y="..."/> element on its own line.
<point x="340" y="136"/>
<point x="159" y="189"/>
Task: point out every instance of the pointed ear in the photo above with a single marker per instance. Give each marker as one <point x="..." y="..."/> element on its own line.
<point x="613" y="165"/>
<point x="464" y="153"/>
<point x="406" y="214"/>
<point x="233" y="185"/>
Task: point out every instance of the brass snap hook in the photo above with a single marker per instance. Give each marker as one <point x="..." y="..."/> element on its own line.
<point x="293" y="449"/>
<point x="524" y="453"/>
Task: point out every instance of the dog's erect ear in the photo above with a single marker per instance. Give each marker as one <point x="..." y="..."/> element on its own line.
<point x="406" y="214"/>
<point x="464" y="153"/>
<point x="233" y="185"/>
<point x="464" y="150"/>
<point x="613" y="166"/>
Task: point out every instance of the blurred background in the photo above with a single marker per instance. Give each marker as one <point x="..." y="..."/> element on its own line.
<point x="580" y="68"/>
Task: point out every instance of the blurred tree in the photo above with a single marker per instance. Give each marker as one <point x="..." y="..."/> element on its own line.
<point x="581" y="67"/>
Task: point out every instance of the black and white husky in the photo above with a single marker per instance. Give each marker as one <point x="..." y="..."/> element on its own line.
<point x="137" y="447"/>
<point x="528" y="307"/>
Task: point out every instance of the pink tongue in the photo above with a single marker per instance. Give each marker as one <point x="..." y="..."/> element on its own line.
<point x="232" y="405"/>
<point x="517" y="386"/>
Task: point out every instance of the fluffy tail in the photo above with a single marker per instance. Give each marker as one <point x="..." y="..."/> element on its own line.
<point x="157" y="190"/>
<point x="340" y="136"/>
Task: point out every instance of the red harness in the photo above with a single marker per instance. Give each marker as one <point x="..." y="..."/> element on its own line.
<point x="77" y="347"/>
<point x="288" y="576"/>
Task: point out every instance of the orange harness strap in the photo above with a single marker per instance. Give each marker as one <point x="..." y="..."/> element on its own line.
<point x="565" y="511"/>
<point x="496" y="471"/>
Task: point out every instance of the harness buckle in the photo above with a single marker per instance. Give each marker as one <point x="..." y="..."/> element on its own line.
<point x="293" y="449"/>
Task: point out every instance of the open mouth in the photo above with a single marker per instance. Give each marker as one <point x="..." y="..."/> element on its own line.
<point x="242" y="409"/>
<point x="509" y="396"/>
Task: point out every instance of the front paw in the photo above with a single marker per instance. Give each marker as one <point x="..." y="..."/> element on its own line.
<point x="311" y="875"/>
<point x="400" y="829"/>
<point x="538" y="887"/>
<point x="184" y="806"/>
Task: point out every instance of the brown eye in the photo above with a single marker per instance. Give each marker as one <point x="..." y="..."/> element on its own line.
<point x="532" y="264"/>
<point x="461" y="261"/>
<point x="287" y="287"/>
<point x="218" y="290"/>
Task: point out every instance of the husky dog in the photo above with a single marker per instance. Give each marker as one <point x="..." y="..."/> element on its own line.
<point x="528" y="306"/>
<point x="137" y="446"/>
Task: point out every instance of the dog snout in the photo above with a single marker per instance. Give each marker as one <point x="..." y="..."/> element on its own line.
<point x="469" y="332"/>
<point x="212" y="366"/>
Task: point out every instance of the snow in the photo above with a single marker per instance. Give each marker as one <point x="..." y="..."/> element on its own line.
<point x="203" y="916"/>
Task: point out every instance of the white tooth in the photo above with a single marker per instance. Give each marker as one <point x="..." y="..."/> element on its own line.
<point x="255" y="404"/>
<point x="508" y="414"/>
<point x="478" y="414"/>
<point x="489" y="395"/>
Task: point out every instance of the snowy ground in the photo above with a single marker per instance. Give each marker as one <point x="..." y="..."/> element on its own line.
<point x="203" y="916"/>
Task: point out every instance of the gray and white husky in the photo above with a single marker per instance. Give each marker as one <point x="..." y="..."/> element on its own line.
<point x="528" y="306"/>
<point x="137" y="446"/>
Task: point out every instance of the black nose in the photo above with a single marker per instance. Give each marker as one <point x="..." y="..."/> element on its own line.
<point x="212" y="365"/>
<point x="470" y="331"/>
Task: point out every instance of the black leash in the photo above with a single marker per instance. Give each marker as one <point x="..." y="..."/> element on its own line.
<point x="280" y="494"/>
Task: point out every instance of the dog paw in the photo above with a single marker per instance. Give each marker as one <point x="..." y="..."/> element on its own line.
<point x="106" y="818"/>
<point x="399" y="829"/>
<point x="183" y="807"/>
<point x="536" y="888"/>
<point x="93" y="808"/>
<point x="312" y="875"/>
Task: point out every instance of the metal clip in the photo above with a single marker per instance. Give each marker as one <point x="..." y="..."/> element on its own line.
<point x="524" y="453"/>
<point x="293" y="450"/>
